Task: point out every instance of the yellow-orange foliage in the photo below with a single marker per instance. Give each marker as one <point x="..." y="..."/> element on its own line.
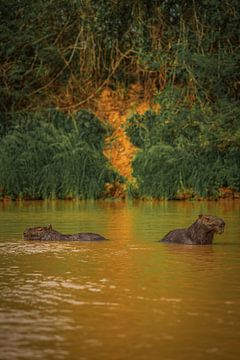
<point x="116" y="108"/>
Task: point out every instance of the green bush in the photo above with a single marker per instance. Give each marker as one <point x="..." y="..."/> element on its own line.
<point x="186" y="147"/>
<point x="43" y="157"/>
<point x="159" y="170"/>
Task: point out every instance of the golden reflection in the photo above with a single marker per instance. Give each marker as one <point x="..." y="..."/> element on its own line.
<point x="128" y="298"/>
<point x="119" y="216"/>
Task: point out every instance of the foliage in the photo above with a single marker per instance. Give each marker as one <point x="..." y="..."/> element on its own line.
<point x="91" y="129"/>
<point x="186" y="147"/>
<point x="63" y="53"/>
<point x="76" y="47"/>
<point x="40" y="159"/>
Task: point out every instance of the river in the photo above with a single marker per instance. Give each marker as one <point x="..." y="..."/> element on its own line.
<point x="127" y="298"/>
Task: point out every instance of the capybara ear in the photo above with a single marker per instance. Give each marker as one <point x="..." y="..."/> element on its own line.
<point x="207" y="218"/>
<point x="49" y="227"/>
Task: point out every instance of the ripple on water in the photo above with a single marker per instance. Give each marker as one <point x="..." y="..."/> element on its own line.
<point x="34" y="315"/>
<point x="50" y="291"/>
<point x="21" y="329"/>
<point x="18" y="248"/>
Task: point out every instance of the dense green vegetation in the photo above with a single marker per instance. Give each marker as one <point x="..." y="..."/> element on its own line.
<point x="49" y="155"/>
<point x="83" y="45"/>
<point x="186" y="149"/>
<point x="61" y="54"/>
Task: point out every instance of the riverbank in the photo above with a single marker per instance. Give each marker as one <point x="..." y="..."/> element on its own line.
<point x="119" y="192"/>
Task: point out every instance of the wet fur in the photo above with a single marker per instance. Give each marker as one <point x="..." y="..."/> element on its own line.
<point x="47" y="233"/>
<point x="201" y="232"/>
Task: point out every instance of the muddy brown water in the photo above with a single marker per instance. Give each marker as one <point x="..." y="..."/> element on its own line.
<point x="127" y="298"/>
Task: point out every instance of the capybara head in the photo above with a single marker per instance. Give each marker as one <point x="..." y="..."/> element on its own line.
<point x="212" y="223"/>
<point x="37" y="233"/>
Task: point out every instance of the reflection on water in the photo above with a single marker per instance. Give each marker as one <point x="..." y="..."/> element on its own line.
<point x="128" y="298"/>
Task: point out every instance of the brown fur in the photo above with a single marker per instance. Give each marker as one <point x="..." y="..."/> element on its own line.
<point x="47" y="233"/>
<point x="201" y="232"/>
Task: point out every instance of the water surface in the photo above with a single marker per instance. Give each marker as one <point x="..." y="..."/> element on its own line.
<point x="127" y="298"/>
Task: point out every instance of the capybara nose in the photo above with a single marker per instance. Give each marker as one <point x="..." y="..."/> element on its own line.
<point x="221" y="229"/>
